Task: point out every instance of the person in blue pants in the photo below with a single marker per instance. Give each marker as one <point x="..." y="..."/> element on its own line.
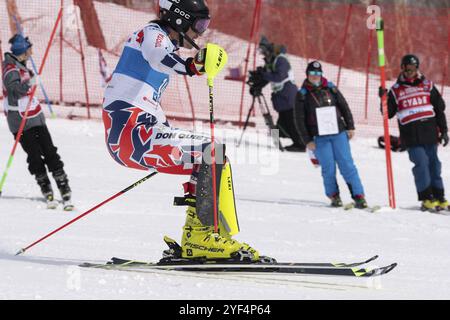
<point x="325" y="123"/>
<point x="420" y="112"/>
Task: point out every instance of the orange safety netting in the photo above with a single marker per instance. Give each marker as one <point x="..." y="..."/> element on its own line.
<point x="333" y="32"/>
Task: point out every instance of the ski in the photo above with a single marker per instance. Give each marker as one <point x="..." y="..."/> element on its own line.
<point x="350" y="206"/>
<point x="126" y="262"/>
<point x="239" y="267"/>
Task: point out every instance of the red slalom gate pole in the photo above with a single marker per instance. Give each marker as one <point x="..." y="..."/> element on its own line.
<point x="33" y="91"/>
<point x="83" y="64"/>
<point x="61" y="38"/>
<point x="387" y="140"/>
<point x="247" y="60"/>
<point x="87" y="212"/>
<point x="344" y="41"/>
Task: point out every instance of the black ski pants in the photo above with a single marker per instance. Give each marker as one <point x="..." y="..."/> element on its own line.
<point x="286" y="125"/>
<point x="41" y="152"/>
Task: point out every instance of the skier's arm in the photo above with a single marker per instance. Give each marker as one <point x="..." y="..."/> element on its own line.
<point x="300" y="118"/>
<point x="391" y="104"/>
<point x="439" y="108"/>
<point x="344" y="109"/>
<point x="15" y="88"/>
<point x="156" y="50"/>
<point x="280" y="71"/>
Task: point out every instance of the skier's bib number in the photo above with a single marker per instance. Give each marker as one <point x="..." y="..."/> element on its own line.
<point x="327" y="120"/>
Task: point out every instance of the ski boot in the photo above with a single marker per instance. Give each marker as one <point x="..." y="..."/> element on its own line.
<point x="63" y="185"/>
<point x="199" y="241"/>
<point x="443" y="205"/>
<point x="430" y="205"/>
<point x="360" y="202"/>
<point x="47" y="191"/>
<point x="336" y="201"/>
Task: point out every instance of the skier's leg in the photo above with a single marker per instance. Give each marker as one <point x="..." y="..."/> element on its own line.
<point x="421" y="172"/>
<point x="324" y="153"/>
<point x="346" y="165"/>
<point x="435" y="171"/>
<point x="54" y="163"/>
<point x="140" y="145"/>
<point x="36" y="166"/>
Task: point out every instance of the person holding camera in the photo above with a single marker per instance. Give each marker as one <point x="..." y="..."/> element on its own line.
<point x="325" y="123"/>
<point x="277" y="70"/>
<point x="420" y="113"/>
<point x="35" y="139"/>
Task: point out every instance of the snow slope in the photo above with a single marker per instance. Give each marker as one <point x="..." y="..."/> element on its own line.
<point x="282" y="212"/>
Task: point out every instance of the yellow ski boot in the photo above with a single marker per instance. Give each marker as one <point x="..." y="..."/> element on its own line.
<point x="200" y="241"/>
<point x="443" y="204"/>
<point x="430" y="205"/>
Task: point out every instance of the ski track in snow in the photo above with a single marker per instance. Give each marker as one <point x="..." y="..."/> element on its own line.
<point x="282" y="212"/>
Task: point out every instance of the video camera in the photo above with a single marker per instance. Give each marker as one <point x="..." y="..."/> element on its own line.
<point x="256" y="81"/>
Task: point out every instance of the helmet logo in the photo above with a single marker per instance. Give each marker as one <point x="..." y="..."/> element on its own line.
<point x="178" y="21"/>
<point x="316" y="65"/>
<point x="182" y="13"/>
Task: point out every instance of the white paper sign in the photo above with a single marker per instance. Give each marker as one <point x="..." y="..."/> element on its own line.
<point x="327" y="120"/>
<point x="23" y="103"/>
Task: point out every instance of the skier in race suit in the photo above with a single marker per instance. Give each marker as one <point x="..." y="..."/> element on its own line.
<point x="139" y="136"/>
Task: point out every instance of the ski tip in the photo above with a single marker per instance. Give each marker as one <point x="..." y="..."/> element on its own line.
<point x="20" y="252"/>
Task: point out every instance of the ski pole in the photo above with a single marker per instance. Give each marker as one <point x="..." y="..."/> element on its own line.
<point x="87" y="212"/>
<point x="27" y="109"/>
<point x="47" y="100"/>
<point x="387" y="140"/>
<point x="216" y="58"/>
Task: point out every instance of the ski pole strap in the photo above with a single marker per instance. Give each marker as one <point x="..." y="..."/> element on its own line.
<point x="184" y="201"/>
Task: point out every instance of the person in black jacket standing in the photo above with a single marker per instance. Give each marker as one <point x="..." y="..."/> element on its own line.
<point x="420" y="112"/>
<point x="325" y="124"/>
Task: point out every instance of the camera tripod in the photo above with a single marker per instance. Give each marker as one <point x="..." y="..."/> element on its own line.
<point x="267" y="119"/>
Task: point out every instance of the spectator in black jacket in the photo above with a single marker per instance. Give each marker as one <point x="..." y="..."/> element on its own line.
<point x="420" y="112"/>
<point x="277" y="70"/>
<point x="325" y="124"/>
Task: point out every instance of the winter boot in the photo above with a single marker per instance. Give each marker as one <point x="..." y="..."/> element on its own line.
<point x="336" y="201"/>
<point x="46" y="189"/>
<point x="199" y="241"/>
<point x="443" y="204"/>
<point x="63" y="185"/>
<point x="430" y="205"/>
<point x="360" y="202"/>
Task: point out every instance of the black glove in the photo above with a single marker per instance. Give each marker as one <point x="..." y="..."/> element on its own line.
<point x="382" y="91"/>
<point x="443" y="138"/>
<point x="196" y="64"/>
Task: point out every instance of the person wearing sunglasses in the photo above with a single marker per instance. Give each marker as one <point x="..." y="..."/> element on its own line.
<point x="419" y="108"/>
<point x="35" y="140"/>
<point x="278" y="72"/>
<point x="139" y="136"/>
<point x="325" y="123"/>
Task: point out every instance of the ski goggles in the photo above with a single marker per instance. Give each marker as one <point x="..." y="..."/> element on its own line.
<point x="315" y="73"/>
<point x="200" y="25"/>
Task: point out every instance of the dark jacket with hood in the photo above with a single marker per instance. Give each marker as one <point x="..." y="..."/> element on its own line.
<point x="277" y="71"/>
<point x="424" y="131"/>
<point x="311" y="97"/>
